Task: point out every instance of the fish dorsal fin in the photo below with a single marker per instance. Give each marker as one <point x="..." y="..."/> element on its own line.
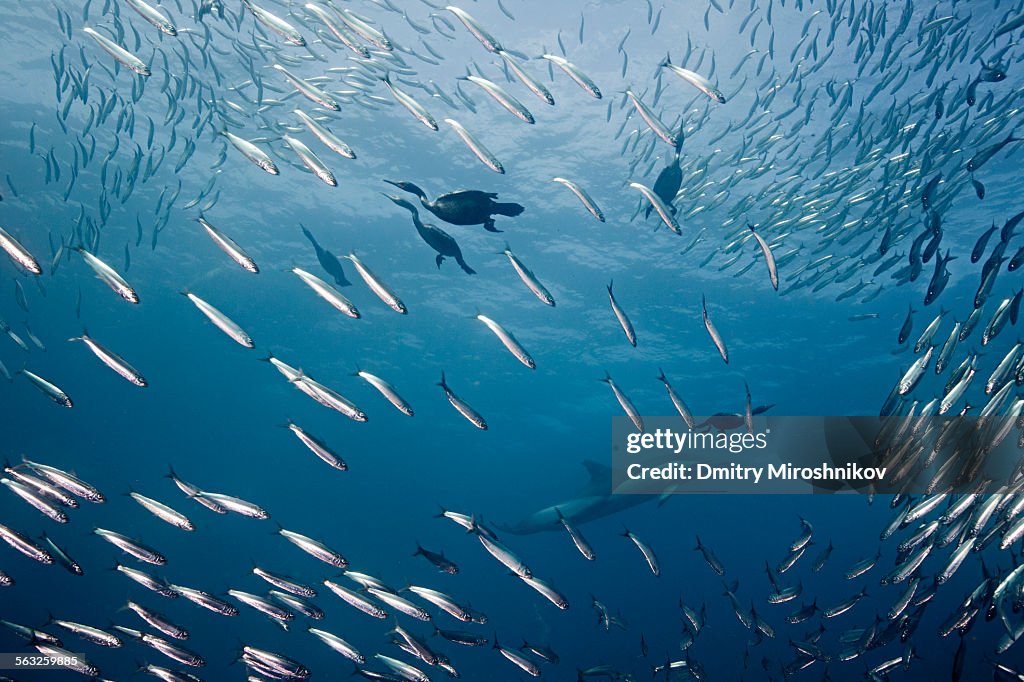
<point x="599" y="481"/>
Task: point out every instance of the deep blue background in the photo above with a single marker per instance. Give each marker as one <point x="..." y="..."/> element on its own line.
<point x="213" y="411"/>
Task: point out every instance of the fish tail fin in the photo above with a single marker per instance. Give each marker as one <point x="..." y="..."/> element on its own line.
<point x="607" y="377"/>
<point x="419" y="550"/>
<point x="661" y="376"/>
<point x="268" y="358"/>
<point x="442" y="383"/>
<point x="699" y="545"/>
<point x="441" y="512"/>
<point x="667" y="61"/>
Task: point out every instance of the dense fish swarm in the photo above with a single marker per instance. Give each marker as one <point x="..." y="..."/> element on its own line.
<point x="848" y="152"/>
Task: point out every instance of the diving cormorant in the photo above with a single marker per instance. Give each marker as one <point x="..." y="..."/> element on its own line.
<point x="435" y="237"/>
<point x="667" y="185"/>
<point x="328" y="261"/>
<point x="464" y="206"/>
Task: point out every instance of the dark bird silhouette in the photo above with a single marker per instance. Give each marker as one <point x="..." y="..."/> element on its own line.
<point x="667" y="185"/>
<point x="328" y="261"/>
<point x="211" y="7"/>
<point x="464" y="206"/>
<point x="435" y="237"/>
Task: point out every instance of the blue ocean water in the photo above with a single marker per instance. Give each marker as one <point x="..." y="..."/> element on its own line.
<point x="884" y="85"/>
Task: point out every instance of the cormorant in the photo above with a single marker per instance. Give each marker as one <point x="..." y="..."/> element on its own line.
<point x="667" y="185"/>
<point x="328" y="261"/>
<point x="464" y="206"/>
<point x="435" y="237"/>
<point x="211" y="7"/>
<point x="670" y="178"/>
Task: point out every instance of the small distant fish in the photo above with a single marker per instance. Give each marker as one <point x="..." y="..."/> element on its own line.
<point x="584" y="198"/>
<point x="652" y="120"/>
<point x="36" y="341"/>
<point x="509" y="341"/>
<point x="311" y="160"/>
<point x="112" y="360"/>
<point x="476" y="146"/>
<point x="109" y="276"/>
<point x="437" y="559"/>
<point x="577" y="538"/>
<point x="664" y="212"/>
<point x="652" y="560"/>
<point x="276" y="24"/>
<point x="535" y="86"/>
<point x="228" y="246"/>
<point x="464" y="408"/>
<point x="162" y="511"/>
<point x="620" y="315"/>
<point x="769" y="258"/>
<point x="153" y="16"/>
<point x="332" y="141"/>
<point x="328" y="293"/>
<point x="51" y="391"/>
<point x="317" y="447"/>
<point x="338" y="644"/>
<point x="625" y="402"/>
<point x="118" y="53"/>
<point x="696" y="80"/>
<point x="411" y="105"/>
<point x="235" y="505"/>
<point x="581" y="79"/>
<point x="24" y="545"/>
<point x="520" y="661"/>
<point x="221" y="321"/>
<point x="310" y="92"/>
<point x="709" y="557"/>
<point x="503" y="97"/>
<point x="473" y="26"/>
<point x="982" y="157"/>
<point x="284" y="582"/>
<point x="19" y="296"/>
<point x="132" y="547"/>
<point x="314" y="548"/>
<point x="378" y="287"/>
<point x="713" y="332"/>
<point x="528" y="278"/>
<point x="387" y="390"/>
<point x="18" y="253"/>
<point x="252" y="152"/>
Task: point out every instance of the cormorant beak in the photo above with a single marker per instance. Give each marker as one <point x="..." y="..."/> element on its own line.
<point x="396" y="184"/>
